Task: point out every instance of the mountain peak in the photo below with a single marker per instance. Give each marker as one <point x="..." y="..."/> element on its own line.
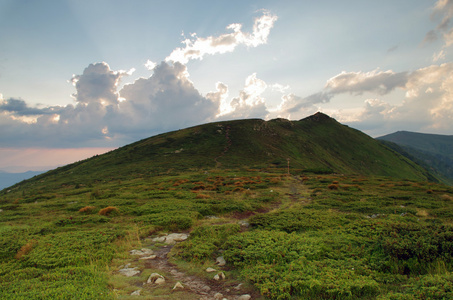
<point x="318" y="117"/>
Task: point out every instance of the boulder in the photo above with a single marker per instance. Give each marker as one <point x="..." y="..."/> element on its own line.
<point x="136" y="293"/>
<point x="209" y="270"/>
<point x="244" y="297"/>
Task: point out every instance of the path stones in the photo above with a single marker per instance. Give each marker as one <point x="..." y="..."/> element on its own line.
<point x="142" y="252"/>
<point x="156" y="278"/>
<point x="129" y="272"/>
<point x="178" y="286"/>
<point x="245" y="297"/>
<point x="171" y="239"/>
<point x="219" y="276"/>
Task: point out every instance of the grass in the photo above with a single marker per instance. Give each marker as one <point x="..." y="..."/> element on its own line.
<point x="305" y="239"/>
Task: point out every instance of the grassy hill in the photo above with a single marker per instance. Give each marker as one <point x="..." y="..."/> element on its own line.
<point x="316" y="144"/>
<point x="352" y="220"/>
<point x="433" y="151"/>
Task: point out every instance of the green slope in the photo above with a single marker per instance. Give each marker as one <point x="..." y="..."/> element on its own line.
<point x="317" y="143"/>
<point x="433" y="151"/>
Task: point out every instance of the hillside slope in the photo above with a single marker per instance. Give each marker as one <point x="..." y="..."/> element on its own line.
<point x="316" y="144"/>
<point x="433" y="151"/>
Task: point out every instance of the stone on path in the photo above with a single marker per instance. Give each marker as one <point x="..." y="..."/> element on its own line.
<point x="129" y="272"/>
<point x="178" y="286"/>
<point x="136" y="293"/>
<point x="245" y="297"/>
<point x="171" y="239"/>
<point x="142" y="252"/>
<point x="218" y="296"/>
<point x="209" y="270"/>
<point x="156" y="278"/>
<point x="149" y="257"/>
<point x="219" y="276"/>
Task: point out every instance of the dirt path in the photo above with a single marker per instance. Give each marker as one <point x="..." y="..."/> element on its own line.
<point x="227" y="147"/>
<point x="195" y="287"/>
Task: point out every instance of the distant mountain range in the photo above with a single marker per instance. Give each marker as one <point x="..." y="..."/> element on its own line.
<point x="432" y="151"/>
<point x="8" y="179"/>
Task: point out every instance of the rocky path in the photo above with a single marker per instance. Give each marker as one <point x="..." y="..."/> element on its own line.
<point x="227" y="147"/>
<point x="177" y="282"/>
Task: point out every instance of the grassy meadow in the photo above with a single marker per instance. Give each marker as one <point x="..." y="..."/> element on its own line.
<point x="298" y="236"/>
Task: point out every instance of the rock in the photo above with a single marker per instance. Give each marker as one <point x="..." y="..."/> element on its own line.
<point x="218" y="296"/>
<point x="244" y="223"/>
<point x="220" y="261"/>
<point x="159" y="239"/>
<point x="238" y="287"/>
<point x="129" y="272"/>
<point x="136" y="293"/>
<point x="171" y="239"/>
<point x="156" y="278"/>
<point x="178" y="285"/>
<point x="219" y="276"/>
<point x="149" y="257"/>
<point x="245" y="297"/>
<point x="143" y="251"/>
<point x="209" y="270"/>
<point x="175" y="237"/>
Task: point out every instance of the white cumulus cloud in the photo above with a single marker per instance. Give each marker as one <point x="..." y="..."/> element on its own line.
<point x="198" y="47"/>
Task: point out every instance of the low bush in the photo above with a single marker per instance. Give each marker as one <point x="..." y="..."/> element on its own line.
<point x="109" y="211"/>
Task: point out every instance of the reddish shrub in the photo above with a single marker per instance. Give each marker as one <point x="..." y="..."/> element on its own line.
<point x="25" y="249"/>
<point x="87" y="209"/>
<point x="108" y="211"/>
<point x="332" y="186"/>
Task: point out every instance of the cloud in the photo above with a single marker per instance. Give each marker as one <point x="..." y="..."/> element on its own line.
<point x="166" y="100"/>
<point x="427" y="104"/>
<point x="198" y="47"/>
<point x="359" y="82"/>
<point x="97" y="84"/>
<point x="442" y="14"/>
<point x="249" y="104"/>
<point x="19" y="107"/>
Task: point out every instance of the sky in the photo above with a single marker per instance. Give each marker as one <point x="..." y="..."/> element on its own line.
<point x="83" y="77"/>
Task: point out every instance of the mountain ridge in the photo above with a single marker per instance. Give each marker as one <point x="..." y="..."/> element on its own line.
<point x="432" y="151"/>
<point x="317" y="143"/>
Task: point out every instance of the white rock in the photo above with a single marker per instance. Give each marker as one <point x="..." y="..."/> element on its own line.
<point x="178" y="285"/>
<point x="245" y="297"/>
<point x="209" y="270"/>
<point x="136" y="293"/>
<point x="160" y="281"/>
<point x="143" y="251"/>
<point x="149" y="257"/>
<point x="218" y="296"/>
<point x="159" y="239"/>
<point x="220" y="261"/>
<point x="175" y="237"/>
<point x="238" y="287"/>
<point x="219" y="276"/>
<point x="129" y="272"/>
<point x="154" y="277"/>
